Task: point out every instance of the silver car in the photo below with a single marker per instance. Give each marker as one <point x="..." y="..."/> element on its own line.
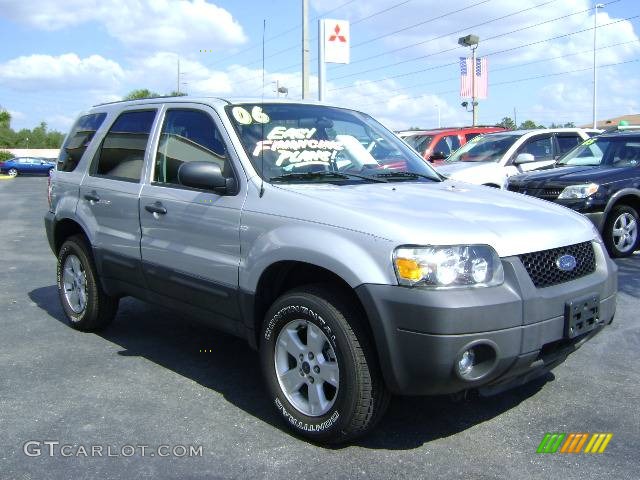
<point x="322" y="239"/>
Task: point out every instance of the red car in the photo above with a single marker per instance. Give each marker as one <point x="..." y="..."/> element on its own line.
<point x="437" y="144"/>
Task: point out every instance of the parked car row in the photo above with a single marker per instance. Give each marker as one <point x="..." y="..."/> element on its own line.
<point x="27" y="166"/>
<point x="594" y="173"/>
<point x="601" y="179"/>
<point x="437" y="144"/>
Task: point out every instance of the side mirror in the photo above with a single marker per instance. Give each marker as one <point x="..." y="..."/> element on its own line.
<point x="205" y="176"/>
<point x="524" y="158"/>
<point x="437" y="156"/>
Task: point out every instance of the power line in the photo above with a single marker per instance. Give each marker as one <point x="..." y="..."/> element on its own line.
<point x="518" y="65"/>
<point x="524" y="79"/>
<point x="281" y="34"/>
<point x="406" y="74"/>
<point x="457" y="47"/>
<point x="288" y="49"/>
<point x="404" y="29"/>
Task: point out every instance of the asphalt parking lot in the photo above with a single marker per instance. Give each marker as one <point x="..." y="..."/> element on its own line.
<point x="146" y="380"/>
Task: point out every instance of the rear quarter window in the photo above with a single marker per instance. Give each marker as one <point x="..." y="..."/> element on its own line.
<point x="78" y="140"/>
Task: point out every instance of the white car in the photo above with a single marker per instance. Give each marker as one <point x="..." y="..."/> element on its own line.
<point x="490" y="159"/>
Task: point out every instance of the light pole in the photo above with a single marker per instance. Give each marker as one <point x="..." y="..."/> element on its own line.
<point x="472" y="41"/>
<point x="595" y="78"/>
<point x="438" y="108"/>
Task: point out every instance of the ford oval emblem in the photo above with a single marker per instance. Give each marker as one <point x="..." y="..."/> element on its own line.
<point x="566" y="263"/>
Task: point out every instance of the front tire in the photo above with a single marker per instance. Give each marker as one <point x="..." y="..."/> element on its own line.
<point x="319" y="365"/>
<point x="86" y="305"/>
<point x="621" y="231"/>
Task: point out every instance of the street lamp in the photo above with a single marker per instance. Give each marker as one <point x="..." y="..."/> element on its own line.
<point x="595" y="29"/>
<point x="472" y="42"/>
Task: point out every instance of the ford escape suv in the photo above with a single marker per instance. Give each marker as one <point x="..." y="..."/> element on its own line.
<point x="284" y="224"/>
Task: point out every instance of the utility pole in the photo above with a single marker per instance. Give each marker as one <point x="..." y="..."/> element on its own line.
<point x="305" y="49"/>
<point x="178" y="82"/>
<point x="515" y="117"/>
<point x="474" y="103"/>
<point x="321" y="64"/>
<point x="595" y="90"/>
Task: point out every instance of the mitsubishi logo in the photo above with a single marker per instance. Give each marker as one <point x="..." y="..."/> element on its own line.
<point x="337" y="35"/>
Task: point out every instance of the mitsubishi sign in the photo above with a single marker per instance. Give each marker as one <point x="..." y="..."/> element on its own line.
<point x="336" y="40"/>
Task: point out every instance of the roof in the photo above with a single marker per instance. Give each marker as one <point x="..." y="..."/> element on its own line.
<point x="434" y="131"/>
<point x="632" y="119"/>
<point x="209" y="100"/>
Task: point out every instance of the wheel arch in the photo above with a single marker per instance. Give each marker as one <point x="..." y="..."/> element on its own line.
<point x="627" y="196"/>
<point x="65" y="228"/>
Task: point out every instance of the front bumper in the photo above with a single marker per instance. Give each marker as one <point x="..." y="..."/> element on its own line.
<point x="420" y="334"/>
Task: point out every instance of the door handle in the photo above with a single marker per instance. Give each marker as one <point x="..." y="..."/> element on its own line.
<point x="156" y="208"/>
<point x="92" y="197"/>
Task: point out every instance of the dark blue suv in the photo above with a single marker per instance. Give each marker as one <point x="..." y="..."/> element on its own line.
<point x="601" y="179"/>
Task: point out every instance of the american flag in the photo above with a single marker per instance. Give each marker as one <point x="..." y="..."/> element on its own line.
<point x="482" y="75"/>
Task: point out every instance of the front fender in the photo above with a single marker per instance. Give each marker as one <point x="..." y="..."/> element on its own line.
<point x="618" y="195"/>
<point x="355" y="257"/>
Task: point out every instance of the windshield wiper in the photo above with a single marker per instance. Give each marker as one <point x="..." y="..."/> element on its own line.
<point x="321" y="175"/>
<point x="405" y="175"/>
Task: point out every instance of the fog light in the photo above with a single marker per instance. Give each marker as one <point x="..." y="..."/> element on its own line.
<point x="465" y="364"/>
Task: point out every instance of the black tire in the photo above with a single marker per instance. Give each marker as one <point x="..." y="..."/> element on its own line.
<point x="100" y="308"/>
<point x="361" y="397"/>
<point x="613" y="217"/>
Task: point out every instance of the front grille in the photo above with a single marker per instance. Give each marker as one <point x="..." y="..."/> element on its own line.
<point x="542" y="268"/>
<point x="550" y="193"/>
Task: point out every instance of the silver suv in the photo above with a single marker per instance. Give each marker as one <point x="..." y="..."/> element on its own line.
<point x="329" y="245"/>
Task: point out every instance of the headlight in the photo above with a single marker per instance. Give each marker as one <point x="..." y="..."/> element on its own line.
<point x="448" y="267"/>
<point x="579" y="191"/>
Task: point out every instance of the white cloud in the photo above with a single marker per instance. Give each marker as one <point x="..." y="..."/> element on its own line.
<point x="67" y="71"/>
<point x="177" y="25"/>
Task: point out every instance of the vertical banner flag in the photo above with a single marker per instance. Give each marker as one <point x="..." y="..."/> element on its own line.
<point x="337" y="40"/>
<point x="481" y="77"/>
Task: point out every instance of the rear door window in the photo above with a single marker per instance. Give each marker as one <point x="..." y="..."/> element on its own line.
<point x="447" y="145"/>
<point x="78" y="140"/>
<point x="541" y="147"/>
<point x="567" y="141"/>
<point x="121" y="155"/>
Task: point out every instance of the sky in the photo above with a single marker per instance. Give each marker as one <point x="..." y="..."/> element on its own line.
<point x="60" y="58"/>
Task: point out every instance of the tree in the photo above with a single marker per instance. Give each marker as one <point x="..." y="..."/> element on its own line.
<point x="507" y="123"/>
<point x="529" y="125"/>
<point x="140" y="93"/>
<point x="569" y="125"/>
<point x="5" y="119"/>
<point x="174" y="93"/>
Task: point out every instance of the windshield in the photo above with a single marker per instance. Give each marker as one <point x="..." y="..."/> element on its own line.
<point x="484" y="148"/>
<point x="314" y="143"/>
<point x="419" y="142"/>
<point x="604" y="151"/>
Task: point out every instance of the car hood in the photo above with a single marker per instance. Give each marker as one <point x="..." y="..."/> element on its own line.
<point x="467" y="171"/>
<point x="574" y="175"/>
<point x="439" y="213"/>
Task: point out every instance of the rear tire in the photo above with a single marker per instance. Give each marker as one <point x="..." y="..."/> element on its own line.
<point x="12" y="172"/>
<point x="315" y="352"/>
<point x="621" y="231"/>
<point x="85" y="303"/>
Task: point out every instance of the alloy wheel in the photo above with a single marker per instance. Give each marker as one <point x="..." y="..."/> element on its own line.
<point x="307" y="368"/>
<point x="74" y="281"/>
<point x="625" y="232"/>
